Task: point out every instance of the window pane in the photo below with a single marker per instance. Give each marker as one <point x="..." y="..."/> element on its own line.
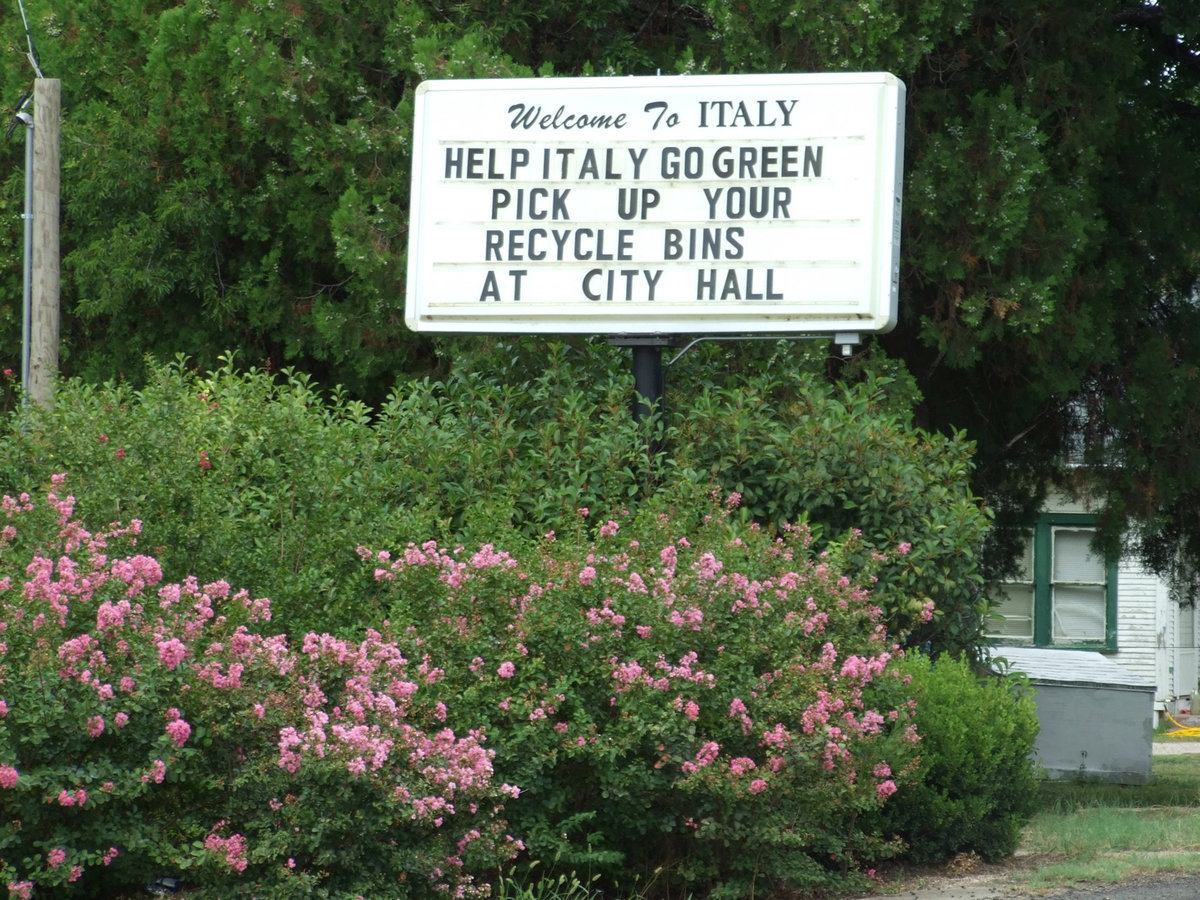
<point x="1012" y="613"/>
<point x="1073" y="557"/>
<point x="1078" y="613"/>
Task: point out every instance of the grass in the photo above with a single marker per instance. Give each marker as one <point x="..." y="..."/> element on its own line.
<point x="1092" y="833"/>
<point x="1107" y="833"/>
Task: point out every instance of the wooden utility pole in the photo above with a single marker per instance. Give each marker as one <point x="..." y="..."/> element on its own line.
<point x="43" y="350"/>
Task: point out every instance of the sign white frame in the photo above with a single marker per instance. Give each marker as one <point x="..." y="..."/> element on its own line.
<point x="656" y="205"/>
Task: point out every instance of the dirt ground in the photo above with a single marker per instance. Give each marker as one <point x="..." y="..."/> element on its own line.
<point x="967" y="878"/>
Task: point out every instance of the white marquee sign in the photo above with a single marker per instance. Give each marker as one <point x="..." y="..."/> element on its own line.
<point x="744" y="203"/>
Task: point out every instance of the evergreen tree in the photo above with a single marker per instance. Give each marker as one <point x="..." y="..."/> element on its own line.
<point x="236" y="177"/>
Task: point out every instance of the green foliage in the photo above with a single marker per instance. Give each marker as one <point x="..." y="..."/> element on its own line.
<point x="977" y="784"/>
<point x="844" y="457"/>
<point x="515" y="442"/>
<point x="235" y="175"/>
<point x="237" y="472"/>
<point x="274" y="483"/>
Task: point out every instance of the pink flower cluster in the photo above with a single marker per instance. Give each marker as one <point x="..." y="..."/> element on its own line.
<point x="177" y="729"/>
<point x="158" y="771"/>
<point x="233" y="848"/>
<point x="705" y="756"/>
<point x="76" y="797"/>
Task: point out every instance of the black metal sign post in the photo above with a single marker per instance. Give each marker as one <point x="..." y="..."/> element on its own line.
<point x="649" y="379"/>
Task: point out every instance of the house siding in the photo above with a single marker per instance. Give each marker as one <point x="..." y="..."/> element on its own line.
<point x="1139" y="625"/>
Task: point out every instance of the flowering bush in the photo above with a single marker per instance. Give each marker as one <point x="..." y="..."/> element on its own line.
<point x="714" y="711"/>
<point x="149" y="728"/>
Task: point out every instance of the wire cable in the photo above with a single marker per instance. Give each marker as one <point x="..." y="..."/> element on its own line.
<point x="29" y="38"/>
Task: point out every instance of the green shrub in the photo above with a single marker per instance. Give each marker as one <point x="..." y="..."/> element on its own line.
<point x="977" y="784"/>
<point x="847" y="456"/>
<point x="272" y="482"/>
<point x="261" y="478"/>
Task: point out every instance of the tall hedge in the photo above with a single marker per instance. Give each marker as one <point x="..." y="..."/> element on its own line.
<point x="274" y="481"/>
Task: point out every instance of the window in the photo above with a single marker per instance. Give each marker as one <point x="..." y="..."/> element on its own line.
<point x="1064" y="595"/>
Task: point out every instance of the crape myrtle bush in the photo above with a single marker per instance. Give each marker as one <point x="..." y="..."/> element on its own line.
<point x="978" y="781"/>
<point x="272" y="483"/>
<point x="716" y="712"/>
<point x="149" y="728"/>
<point x="697" y="704"/>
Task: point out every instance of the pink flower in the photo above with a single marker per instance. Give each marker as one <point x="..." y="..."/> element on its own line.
<point x="587" y="575"/>
<point x="204" y="463"/>
<point x="8" y="777"/>
<point x="122" y="719"/>
<point x="904" y="548"/>
<point x="179" y="731"/>
<point x="72" y="798"/>
<point x="120" y="454"/>
<point x="157" y="772"/>
<point x="110" y="855"/>
<point x="757" y="786"/>
<point x="56" y="857"/>
<point x="95" y="726"/>
<point x="628" y="673"/>
<point x="20" y="890"/>
<point x="708" y="566"/>
<point x="708" y="753"/>
<point x="233" y="846"/>
<point x="741" y="765"/>
<point x="609" y="528"/>
<point x="171" y="653"/>
<point x="885" y="789"/>
<point x="506" y="670"/>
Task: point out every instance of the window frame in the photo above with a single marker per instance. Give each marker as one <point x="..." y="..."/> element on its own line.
<point x="1042" y="541"/>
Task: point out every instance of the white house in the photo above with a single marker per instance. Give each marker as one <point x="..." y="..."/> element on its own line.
<point x="1065" y="597"/>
